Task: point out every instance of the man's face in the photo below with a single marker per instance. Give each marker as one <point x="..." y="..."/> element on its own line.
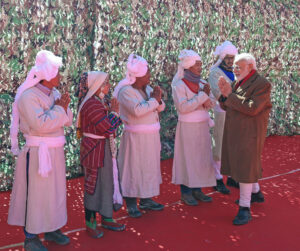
<point x="196" y="68"/>
<point x="145" y="80"/>
<point x="229" y="59"/>
<point x="54" y="82"/>
<point x="106" y="86"/>
<point x="241" y="69"/>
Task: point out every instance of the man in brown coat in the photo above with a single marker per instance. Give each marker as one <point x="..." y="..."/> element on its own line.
<point x="247" y="104"/>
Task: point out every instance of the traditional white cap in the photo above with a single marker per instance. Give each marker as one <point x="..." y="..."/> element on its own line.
<point x="45" y="68"/>
<point x="226" y="48"/>
<point x="187" y="58"/>
<point x="136" y="67"/>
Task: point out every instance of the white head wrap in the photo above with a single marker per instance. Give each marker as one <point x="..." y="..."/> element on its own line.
<point x="136" y="67"/>
<point x="227" y="48"/>
<point x="45" y="68"/>
<point x="95" y="80"/>
<point x="187" y="58"/>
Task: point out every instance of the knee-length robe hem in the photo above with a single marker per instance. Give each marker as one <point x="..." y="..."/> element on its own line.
<point x="193" y="163"/>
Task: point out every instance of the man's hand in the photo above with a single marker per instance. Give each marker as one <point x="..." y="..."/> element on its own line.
<point x="224" y="86"/>
<point x="156" y="93"/>
<point x="64" y="101"/>
<point x="208" y="104"/>
<point x="206" y="89"/>
<point x="114" y="105"/>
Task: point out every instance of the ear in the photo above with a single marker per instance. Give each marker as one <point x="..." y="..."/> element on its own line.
<point x="251" y="67"/>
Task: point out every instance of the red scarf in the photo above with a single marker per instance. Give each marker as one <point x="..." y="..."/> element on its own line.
<point x="251" y="73"/>
<point x="192" y="86"/>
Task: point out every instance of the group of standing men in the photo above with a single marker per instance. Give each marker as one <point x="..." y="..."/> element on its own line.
<point x="239" y="96"/>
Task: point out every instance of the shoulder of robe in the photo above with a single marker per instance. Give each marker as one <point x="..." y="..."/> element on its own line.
<point x="126" y="89"/>
<point x="215" y="71"/>
<point x="30" y="93"/>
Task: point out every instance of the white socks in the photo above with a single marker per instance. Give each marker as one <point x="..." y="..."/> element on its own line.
<point x="245" y="193"/>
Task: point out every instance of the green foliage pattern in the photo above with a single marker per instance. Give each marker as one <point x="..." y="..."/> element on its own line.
<point x="99" y="35"/>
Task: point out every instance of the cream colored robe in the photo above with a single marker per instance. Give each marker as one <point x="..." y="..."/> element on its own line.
<point x="46" y="199"/>
<point x="214" y="75"/>
<point x="193" y="163"/>
<point x="139" y="153"/>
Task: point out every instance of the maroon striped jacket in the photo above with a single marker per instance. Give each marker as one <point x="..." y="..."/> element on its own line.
<point x="95" y="119"/>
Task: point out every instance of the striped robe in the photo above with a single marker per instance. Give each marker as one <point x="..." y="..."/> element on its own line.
<point x="95" y="119"/>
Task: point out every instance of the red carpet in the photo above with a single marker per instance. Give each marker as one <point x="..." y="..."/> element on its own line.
<point x="275" y="224"/>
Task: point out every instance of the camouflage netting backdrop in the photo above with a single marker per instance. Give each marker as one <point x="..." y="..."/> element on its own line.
<point x="96" y="34"/>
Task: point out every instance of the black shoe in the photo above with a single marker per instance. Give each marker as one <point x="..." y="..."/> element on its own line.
<point x="199" y="195"/>
<point x="34" y="244"/>
<point x="151" y="205"/>
<point x="232" y="183"/>
<point x="58" y="237"/>
<point x="255" y="197"/>
<point x="243" y="216"/>
<point x="134" y="212"/>
<point x="132" y="207"/>
<point x="189" y="199"/>
<point x="221" y="187"/>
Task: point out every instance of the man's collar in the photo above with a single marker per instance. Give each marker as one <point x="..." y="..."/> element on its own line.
<point x="44" y="89"/>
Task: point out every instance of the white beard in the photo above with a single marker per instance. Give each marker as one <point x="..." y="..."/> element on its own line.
<point x="242" y="76"/>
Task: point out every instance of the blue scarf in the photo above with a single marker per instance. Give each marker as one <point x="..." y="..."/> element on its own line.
<point x="227" y="70"/>
<point x="192" y="77"/>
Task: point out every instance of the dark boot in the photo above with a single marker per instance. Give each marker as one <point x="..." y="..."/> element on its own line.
<point x="243" y="216"/>
<point x="132" y="209"/>
<point x="232" y="183"/>
<point x="257" y="197"/>
<point x="221" y="187"/>
<point x="34" y="244"/>
<point x="58" y="237"/>
<point x="189" y="199"/>
<point x="199" y="195"/>
<point x="150" y="204"/>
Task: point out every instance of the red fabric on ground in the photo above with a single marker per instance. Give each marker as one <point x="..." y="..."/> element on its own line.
<point x="275" y="224"/>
